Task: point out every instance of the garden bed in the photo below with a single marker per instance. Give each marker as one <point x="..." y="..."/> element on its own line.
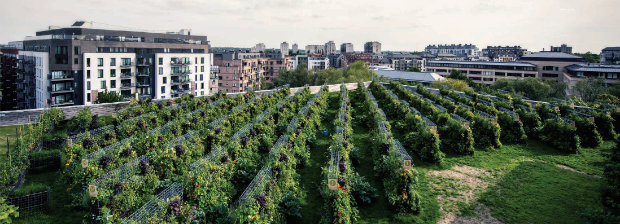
<point x="31" y="202"/>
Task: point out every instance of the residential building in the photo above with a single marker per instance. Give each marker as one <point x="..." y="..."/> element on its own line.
<point x="373" y="47"/>
<point x="494" y="52"/>
<point x="420" y="77"/>
<point x="274" y="66"/>
<point x="346" y="48"/>
<point x="461" y="50"/>
<point x="552" y="65"/>
<point x="336" y="60"/>
<point x="484" y="72"/>
<point x="562" y="48"/>
<point x="404" y="62"/>
<point x="608" y="72"/>
<point x="315" y="49"/>
<point x="610" y="55"/>
<point x="506" y="57"/>
<point x="260" y="47"/>
<point x="73" y="64"/>
<point x="295" y="49"/>
<point x="366" y="58"/>
<point x="330" y="48"/>
<point x="15" y="95"/>
<point x="284" y="48"/>
<point x="243" y="71"/>
<point x="312" y="62"/>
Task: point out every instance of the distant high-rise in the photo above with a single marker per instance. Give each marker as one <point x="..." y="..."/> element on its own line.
<point x="260" y="47"/>
<point x="284" y="48"/>
<point x="562" y="48"/>
<point x="346" y="48"/>
<point x="295" y="48"/>
<point x="372" y="47"/>
<point x="330" y="48"/>
<point x="315" y="49"/>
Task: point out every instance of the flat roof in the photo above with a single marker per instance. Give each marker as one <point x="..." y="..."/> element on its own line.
<point x="523" y="64"/>
<point x="425" y="77"/>
<point x="552" y="56"/>
<point x="594" y="68"/>
<point x="611" y="49"/>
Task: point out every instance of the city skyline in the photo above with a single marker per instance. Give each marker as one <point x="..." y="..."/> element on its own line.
<point x="398" y="25"/>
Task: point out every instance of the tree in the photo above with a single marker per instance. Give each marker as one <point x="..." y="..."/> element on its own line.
<point x="263" y="85"/>
<point x="591" y="58"/>
<point x="609" y="99"/>
<point x="108" y="97"/>
<point x="557" y="89"/>
<point x="533" y="88"/>
<point x="414" y="69"/>
<point x="589" y="88"/>
<point x="455" y="84"/>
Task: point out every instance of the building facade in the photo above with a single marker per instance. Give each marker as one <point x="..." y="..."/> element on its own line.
<point x="484" y="72"/>
<point x="610" y="55"/>
<point x="461" y="50"/>
<point x="315" y="49"/>
<point x="373" y="47"/>
<point x="346" y="48"/>
<point x="552" y="65"/>
<point x="495" y="52"/>
<point x="336" y="60"/>
<point x="260" y="47"/>
<point x="607" y="72"/>
<point x="330" y="48"/>
<point x="295" y="49"/>
<point x="562" y="48"/>
<point x="312" y="62"/>
<point x="243" y="71"/>
<point x="73" y="64"/>
<point x="284" y="48"/>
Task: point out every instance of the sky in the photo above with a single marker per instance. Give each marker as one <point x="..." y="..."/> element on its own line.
<point x="400" y="25"/>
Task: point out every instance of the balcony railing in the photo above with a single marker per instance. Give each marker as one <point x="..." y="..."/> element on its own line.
<point x="179" y="72"/>
<point x="181" y="81"/>
<point x="125" y="65"/>
<point x="60" y="77"/>
<point x="143" y="63"/>
<point x="180" y="63"/>
<point x="127" y="85"/>
<point x="143" y="74"/>
<point x="213" y="77"/>
<point x="61" y="102"/>
<point x="126" y="75"/>
<point x="143" y="84"/>
<point x="49" y="89"/>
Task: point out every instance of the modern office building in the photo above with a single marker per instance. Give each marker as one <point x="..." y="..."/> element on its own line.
<point x="284" y="48"/>
<point x="295" y="49"/>
<point x="562" y="48"/>
<point x="610" y="55"/>
<point x="608" y="72"/>
<point x="552" y="65"/>
<point x="346" y="48"/>
<point x="495" y="52"/>
<point x="72" y="65"/>
<point x="373" y="47"/>
<point x="330" y="48"/>
<point x="483" y="72"/>
<point x="461" y="50"/>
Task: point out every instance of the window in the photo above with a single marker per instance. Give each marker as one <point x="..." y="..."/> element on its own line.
<point x="99" y="49"/>
<point x="161" y="61"/>
<point x="99" y="62"/>
<point x="202" y="93"/>
<point x="161" y="70"/>
<point x="112" y="73"/>
<point x="76" y="50"/>
<point x="75" y="61"/>
<point x="219" y="84"/>
<point x="234" y="84"/>
<point x="202" y="60"/>
<point x="165" y="80"/>
<point x="61" y="61"/>
<point x="240" y="85"/>
<point x="61" y="49"/>
<point x="88" y="86"/>
<point x="88" y="62"/>
<point x="103" y="84"/>
<point x="202" y="86"/>
<point x="547" y="75"/>
<point x="112" y="61"/>
<point x="113" y="84"/>
<point x="100" y="73"/>
<point x="163" y="89"/>
<point x="195" y="60"/>
<point x="88" y="74"/>
<point x="126" y="61"/>
<point x="88" y="97"/>
<point x="200" y="77"/>
<point x="202" y="68"/>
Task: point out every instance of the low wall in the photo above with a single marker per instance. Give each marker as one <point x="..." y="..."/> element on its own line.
<point x="20" y="117"/>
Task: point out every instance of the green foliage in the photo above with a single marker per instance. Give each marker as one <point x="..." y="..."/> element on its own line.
<point x="610" y="189"/>
<point x="589" y="88"/>
<point x="6" y="211"/>
<point x="486" y="132"/>
<point x="44" y="154"/>
<point x="590" y="58"/>
<point x="81" y="121"/>
<point x="302" y="76"/>
<point x="29" y="189"/>
<point x="512" y="129"/>
<point x="414" y="69"/>
<point x="534" y="88"/>
<point x="108" y="97"/>
<point x="609" y="99"/>
<point x="561" y="135"/>
<point x="455" y="84"/>
<point x="586" y="130"/>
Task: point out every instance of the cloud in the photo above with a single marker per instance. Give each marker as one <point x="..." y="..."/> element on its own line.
<point x="567" y="10"/>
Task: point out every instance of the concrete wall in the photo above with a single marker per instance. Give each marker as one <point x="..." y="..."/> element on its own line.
<point x="20" y="117"/>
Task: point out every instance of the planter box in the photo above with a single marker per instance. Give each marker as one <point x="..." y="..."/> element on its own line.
<point x="20" y="180"/>
<point x="31" y="202"/>
<point x="51" y="163"/>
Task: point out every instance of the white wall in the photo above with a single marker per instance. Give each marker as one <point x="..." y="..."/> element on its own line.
<point x="196" y="70"/>
<point x="42" y="69"/>
<point x="95" y="81"/>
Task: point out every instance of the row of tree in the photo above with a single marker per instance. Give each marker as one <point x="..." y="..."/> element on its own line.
<point x="302" y="76"/>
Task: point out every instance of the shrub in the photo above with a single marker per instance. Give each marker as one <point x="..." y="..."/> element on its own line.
<point x="561" y="135"/>
<point x="81" y="120"/>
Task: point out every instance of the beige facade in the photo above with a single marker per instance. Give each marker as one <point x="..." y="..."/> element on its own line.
<point x="483" y="72"/>
<point x="406" y="64"/>
<point x="550" y="70"/>
<point x="240" y="75"/>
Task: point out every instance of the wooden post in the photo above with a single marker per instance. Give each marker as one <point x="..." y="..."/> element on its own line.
<point x="517" y="117"/>
<point x="92" y="190"/>
<point x="332" y="184"/>
<point x="8" y="146"/>
<point x="407" y="164"/>
<point x="69" y="143"/>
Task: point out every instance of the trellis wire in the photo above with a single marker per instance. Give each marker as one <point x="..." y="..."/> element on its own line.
<point x="484" y="114"/>
<point x="579" y="113"/>
<point x="245" y="130"/>
<point x="459" y="118"/>
<point x="405" y="103"/>
<point x="304" y="110"/>
<point x="239" y="107"/>
<point x="192" y="114"/>
<point x="214" y="156"/>
<point x="292" y="125"/>
<point x="521" y="96"/>
<point x="418" y="95"/>
<point x="463" y="95"/>
<point x="400" y="150"/>
<point x="262" y="115"/>
<point x="110" y="149"/>
<point x="559" y="100"/>
<point x="382" y="114"/>
<point x="429" y="100"/>
<point x="140" y="117"/>
<point x="333" y="165"/>
<point x="415" y="111"/>
<point x="124" y="172"/>
<point x="503" y="91"/>
<point x="281" y="103"/>
<point x="448" y="98"/>
<point x="465" y="106"/>
<point x="486" y="103"/>
<point x="529" y="109"/>
<point x="555" y="116"/>
<point x="608" y="105"/>
<point x="155" y="207"/>
<point x="502" y="99"/>
<point x="162" y="129"/>
<point x="274" y="152"/>
<point x="96" y="134"/>
<point x="582" y="108"/>
<point x="191" y="135"/>
<point x="428" y="121"/>
<point x="440" y="107"/>
<point x="218" y="122"/>
<point x="484" y="94"/>
<point x="256" y="187"/>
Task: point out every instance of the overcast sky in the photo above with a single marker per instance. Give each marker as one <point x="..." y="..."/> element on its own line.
<point x="407" y="25"/>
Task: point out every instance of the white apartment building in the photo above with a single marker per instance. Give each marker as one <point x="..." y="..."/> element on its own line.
<point x="113" y="72"/>
<point x="312" y="62"/>
<point x="47" y="87"/>
<point x="284" y="48"/>
<point x="179" y="74"/>
<point x="330" y="48"/>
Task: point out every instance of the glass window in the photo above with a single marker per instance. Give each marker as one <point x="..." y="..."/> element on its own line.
<point x="88" y="97"/>
<point x="76" y="50"/>
<point x="202" y="68"/>
<point x="202" y="60"/>
<point x="88" y="62"/>
<point x="200" y="77"/>
<point x="112" y="61"/>
<point x="161" y="61"/>
<point x="88" y="74"/>
<point x="100" y="73"/>
<point x="202" y="86"/>
<point x="161" y="70"/>
<point x="75" y="61"/>
<point x="113" y="84"/>
<point x="103" y="84"/>
<point x="163" y="89"/>
<point x="88" y="85"/>
<point x="165" y="80"/>
<point x="99" y="61"/>
<point x="112" y="73"/>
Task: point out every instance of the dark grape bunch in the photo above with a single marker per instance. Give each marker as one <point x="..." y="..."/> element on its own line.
<point x="126" y="152"/>
<point x="88" y="143"/>
<point x="179" y="150"/>
<point x="262" y="200"/>
<point x="175" y="207"/>
<point x="104" y="161"/>
<point x="144" y="167"/>
<point x="224" y="159"/>
<point x="283" y="157"/>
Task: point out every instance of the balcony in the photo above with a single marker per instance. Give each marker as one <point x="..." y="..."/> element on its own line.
<point x="180" y="81"/>
<point x="65" y="77"/>
<point x="127" y="65"/>
<point x="214" y="76"/>
<point x="59" y="90"/>
<point x="179" y="91"/>
<point x="215" y="69"/>
<point x="144" y="74"/>
<point x="127" y="75"/>
<point x="143" y="63"/>
<point x="180" y="63"/>
<point x="56" y="103"/>
<point x="179" y="72"/>
<point x="143" y="84"/>
<point x="127" y="85"/>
